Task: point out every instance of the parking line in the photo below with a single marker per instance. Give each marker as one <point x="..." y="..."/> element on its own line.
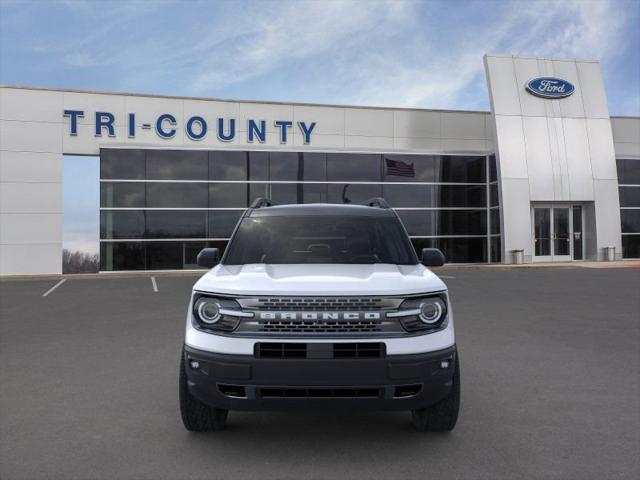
<point x="154" y="284"/>
<point x="446" y="276"/>
<point x="54" y="287"/>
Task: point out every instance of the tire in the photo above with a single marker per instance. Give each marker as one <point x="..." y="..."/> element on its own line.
<point x="196" y="415"/>
<point x="442" y="416"/>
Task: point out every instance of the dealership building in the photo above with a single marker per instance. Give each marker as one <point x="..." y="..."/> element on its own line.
<point x="546" y="175"/>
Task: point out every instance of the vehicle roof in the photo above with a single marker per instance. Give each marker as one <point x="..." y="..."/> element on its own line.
<point x="320" y="209"/>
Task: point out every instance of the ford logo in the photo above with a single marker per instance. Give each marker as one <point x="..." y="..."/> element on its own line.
<point x="550" y="87"/>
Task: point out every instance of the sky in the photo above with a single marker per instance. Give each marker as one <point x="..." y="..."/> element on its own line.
<point x="381" y="53"/>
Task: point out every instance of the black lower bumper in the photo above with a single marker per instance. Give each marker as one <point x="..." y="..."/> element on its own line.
<point x="398" y="382"/>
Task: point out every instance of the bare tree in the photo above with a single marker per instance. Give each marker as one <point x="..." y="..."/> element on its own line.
<point x="80" y="262"/>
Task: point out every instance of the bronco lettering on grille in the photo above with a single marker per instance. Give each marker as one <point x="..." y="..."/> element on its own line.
<point x="319" y="315"/>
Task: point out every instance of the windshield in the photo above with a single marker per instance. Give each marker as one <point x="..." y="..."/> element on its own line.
<point x="342" y="239"/>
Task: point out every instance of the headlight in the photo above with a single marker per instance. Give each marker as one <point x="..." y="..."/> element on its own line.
<point x="217" y="313"/>
<point x="431" y="310"/>
<point x="208" y="310"/>
<point x="426" y="313"/>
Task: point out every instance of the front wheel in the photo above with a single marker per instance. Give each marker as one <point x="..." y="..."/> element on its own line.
<point x="196" y="415"/>
<point x="442" y="416"/>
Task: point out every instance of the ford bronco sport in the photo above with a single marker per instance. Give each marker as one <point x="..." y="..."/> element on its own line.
<point x="319" y="306"/>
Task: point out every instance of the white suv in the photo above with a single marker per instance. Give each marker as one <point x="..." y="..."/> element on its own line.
<point x="319" y="306"/>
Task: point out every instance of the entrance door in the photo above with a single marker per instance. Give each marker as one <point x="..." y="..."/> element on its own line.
<point x="557" y="233"/>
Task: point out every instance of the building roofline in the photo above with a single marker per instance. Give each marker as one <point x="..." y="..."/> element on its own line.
<point x="211" y="99"/>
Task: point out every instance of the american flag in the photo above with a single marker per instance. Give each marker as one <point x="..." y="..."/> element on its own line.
<point x="399" y="168"/>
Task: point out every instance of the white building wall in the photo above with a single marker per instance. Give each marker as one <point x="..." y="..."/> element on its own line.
<point x="553" y="150"/>
<point x="34" y="135"/>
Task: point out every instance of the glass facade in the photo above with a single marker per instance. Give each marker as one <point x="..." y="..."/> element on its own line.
<point x="158" y="208"/>
<point x="629" y="190"/>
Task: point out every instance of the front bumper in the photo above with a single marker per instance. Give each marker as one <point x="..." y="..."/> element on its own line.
<point x="244" y="382"/>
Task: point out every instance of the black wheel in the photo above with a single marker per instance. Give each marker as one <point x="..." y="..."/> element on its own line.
<point x="198" y="416"/>
<point x="442" y="416"/>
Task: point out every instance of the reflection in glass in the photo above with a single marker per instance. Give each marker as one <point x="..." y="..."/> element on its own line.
<point x="124" y="164"/>
<point x="122" y="195"/>
<point x="177" y="165"/>
<point x="561" y="234"/>
<point x="122" y="256"/>
<point x="361" y="167"/>
<point x="628" y="171"/>
<point x="631" y="246"/>
<point x="352" y="192"/>
<point x="285" y="166"/>
<point x="177" y="195"/>
<point x="176" y="224"/>
<point x="222" y="222"/>
<point x="228" y="195"/>
<point x="122" y="224"/>
<point x="629" y="196"/>
<point x="225" y="165"/>
<point x="630" y="221"/>
<point x="577" y="232"/>
<point x="444" y="222"/>
<point x="542" y="231"/>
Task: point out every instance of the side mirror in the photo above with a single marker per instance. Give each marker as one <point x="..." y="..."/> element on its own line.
<point x="208" y="257"/>
<point x="432" y="257"/>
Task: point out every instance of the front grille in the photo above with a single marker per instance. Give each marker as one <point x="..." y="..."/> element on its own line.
<point x="318" y="304"/>
<point x="319" y="392"/>
<point x="320" y="350"/>
<point x="319" y="326"/>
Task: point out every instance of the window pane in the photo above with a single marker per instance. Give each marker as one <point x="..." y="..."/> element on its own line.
<point x="352" y="193"/>
<point x="122" y="256"/>
<point x="493" y="168"/>
<point x="122" y="195"/>
<point x="122" y="224"/>
<point x="631" y="246"/>
<point x="410" y="168"/>
<point x="176" y="224"/>
<point x="494" y="216"/>
<point x="258" y="166"/>
<point x="629" y="196"/>
<point x="456" y="250"/>
<point x="494" y="197"/>
<point x="630" y="221"/>
<point x="177" y="195"/>
<point x="434" y="168"/>
<point x="125" y="164"/>
<point x="315" y="167"/>
<point x="353" y="167"/>
<point x="408" y="196"/>
<point x="444" y="222"/>
<point x="314" y="193"/>
<point x="257" y="190"/>
<point x="225" y="165"/>
<point x="462" y="169"/>
<point x="177" y="165"/>
<point x="284" y="193"/>
<point x="228" y="195"/>
<point x="164" y="255"/>
<point x="222" y="222"/>
<point x="628" y="171"/>
<point x="284" y="166"/>
<point x="496" y="252"/>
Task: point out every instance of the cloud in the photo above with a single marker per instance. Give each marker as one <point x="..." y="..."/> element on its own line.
<point x="386" y="52"/>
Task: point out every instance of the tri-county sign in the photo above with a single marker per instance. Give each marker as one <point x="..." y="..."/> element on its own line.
<point x="196" y="127"/>
<point x="550" y="87"/>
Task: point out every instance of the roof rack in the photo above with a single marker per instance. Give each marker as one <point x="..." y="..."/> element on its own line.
<point x="377" y="202"/>
<point x="261" y="202"/>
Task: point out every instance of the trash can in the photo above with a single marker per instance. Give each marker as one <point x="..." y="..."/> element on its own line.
<point x="518" y="257"/>
<point x="610" y="253"/>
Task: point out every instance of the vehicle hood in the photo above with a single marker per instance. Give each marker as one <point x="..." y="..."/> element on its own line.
<point x="319" y="279"/>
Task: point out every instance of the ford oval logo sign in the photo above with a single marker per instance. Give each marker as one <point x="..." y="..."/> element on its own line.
<point x="550" y="87"/>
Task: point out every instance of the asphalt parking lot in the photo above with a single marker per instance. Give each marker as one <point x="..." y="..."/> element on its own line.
<point x="550" y="361"/>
